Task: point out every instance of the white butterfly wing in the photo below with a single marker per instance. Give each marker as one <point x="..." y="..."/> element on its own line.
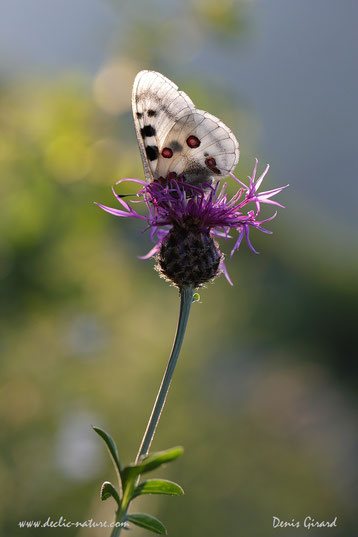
<point x="203" y="147"/>
<point x="156" y="106"/>
<point x="176" y="138"/>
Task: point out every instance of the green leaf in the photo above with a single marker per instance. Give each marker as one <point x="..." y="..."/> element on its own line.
<point x="153" y="460"/>
<point x="150" y="462"/>
<point x="158" y="486"/>
<point x="111" y="446"/>
<point x="109" y="491"/>
<point x="196" y="297"/>
<point x="148" y="522"/>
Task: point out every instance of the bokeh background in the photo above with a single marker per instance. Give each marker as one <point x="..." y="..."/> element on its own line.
<point x="265" y="397"/>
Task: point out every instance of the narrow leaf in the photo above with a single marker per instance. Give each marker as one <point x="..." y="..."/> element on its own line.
<point x="158" y="486"/>
<point x="152" y="461"/>
<point x="109" y="491"/>
<point x="111" y="446"/>
<point x="148" y="522"/>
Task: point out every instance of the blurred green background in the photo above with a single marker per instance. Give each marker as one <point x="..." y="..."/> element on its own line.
<point x="264" y="397"/>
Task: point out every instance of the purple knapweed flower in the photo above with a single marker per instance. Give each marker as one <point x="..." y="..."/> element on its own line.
<point x="185" y="219"/>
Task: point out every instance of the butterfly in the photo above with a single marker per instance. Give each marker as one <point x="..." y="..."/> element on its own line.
<point x="175" y="138"/>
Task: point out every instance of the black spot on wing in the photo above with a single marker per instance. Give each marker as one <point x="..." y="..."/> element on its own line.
<point x="152" y="152"/>
<point x="139" y="115"/>
<point x="147" y="131"/>
<point x="158" y="101"/>
<point x="167" y="112"/>
<point x="176" y="146"/>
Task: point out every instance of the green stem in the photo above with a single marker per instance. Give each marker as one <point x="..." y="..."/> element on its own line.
<point x="186" y="299"/>
<point x="122" y="510"/>
<point x="116" y="531"/>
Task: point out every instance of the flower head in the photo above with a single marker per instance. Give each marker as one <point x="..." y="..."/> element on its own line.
<point x="185" y="220"/>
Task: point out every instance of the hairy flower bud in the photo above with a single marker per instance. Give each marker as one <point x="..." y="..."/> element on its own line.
<point x="189" y="255"/>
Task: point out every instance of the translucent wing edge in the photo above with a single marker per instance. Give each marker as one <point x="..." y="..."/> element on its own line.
<point x="147" y="170"/>
<point x="230" y="133"/>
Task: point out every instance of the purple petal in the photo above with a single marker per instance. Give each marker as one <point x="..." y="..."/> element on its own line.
<point x="238" y="180"/>
<point x="248" y="241"/>
<point x="220" y="234"/>
<point x="140" y="181"/>
<point x="270" y="193"/>
<point x="151" y="252"/>
<point x="238" y="242"/>
<point x="260" y="228"/>
<point x="255" y="169"/>
<point x="121" y="201"/>
<point x="226" y="274"/>
<point x="261" y="178"/>
<point x="118" y="212"/>
<point x="268" y="219"/>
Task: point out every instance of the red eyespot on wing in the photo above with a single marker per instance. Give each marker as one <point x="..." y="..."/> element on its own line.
<point x="193" y="142"/>
<point x="167" y="152"/>
<point x="211" y="164"/>
<point x="171" y="175"/>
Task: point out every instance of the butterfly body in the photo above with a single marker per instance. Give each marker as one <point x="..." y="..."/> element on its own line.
<point x="175" y="138"/>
